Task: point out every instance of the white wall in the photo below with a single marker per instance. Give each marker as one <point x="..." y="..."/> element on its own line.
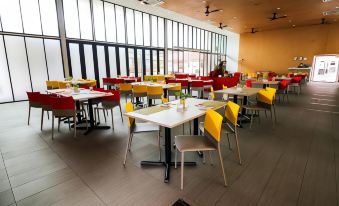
<point x="233" y="39"/>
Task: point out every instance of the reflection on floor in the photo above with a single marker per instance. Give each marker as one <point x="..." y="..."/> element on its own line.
<point x="294" y="163"/>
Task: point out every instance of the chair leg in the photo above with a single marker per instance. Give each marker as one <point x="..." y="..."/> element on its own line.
<point x="229" y="143"/>
<point x="182" y="170"/>
<point x="275" y="115"/>
<point x="238" y="147"/>
<point x="103" y="111"/>
<point x="222" y="166"/>
<point x="127" y="147"/>
<point x="210" y="154"/>
<point x="75" y="125"/>
<point x="112" y="119"/>
<point x="122" y="119"/>
<point x="47" y="114"/>
<point x="42" y="118"/>
<point x="52" y="126"/>
<point x="175" y="158"/>
<point x="69" y="124"/>
<point x="59" y="124"/>
<point x="29" y="114"/>
<point x="159" y="146"/>
<point x="86" y="119"/>
<point x="252" y="116"/>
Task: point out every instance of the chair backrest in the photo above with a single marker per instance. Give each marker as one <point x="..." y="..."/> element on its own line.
<point x="155" y="90"/>
<point x="47" y="99"/>
<point x="84" y="86"/>
<point x="118" y="81"/>
<point x="163" y="99"/>
<point x="271" y="90"/>
<point x="99" y="89"/>
<point x="248" y="83"/>
<point x="129" y="108"/>
<point x="62" y="85"/>
<point x="52" y="84"/>
<point x="183" y="82"/>
<point x="63" y="103"/>
<point x="192" y="75"/>
<point x="212" y="125"/>
<point x="283" y="84"/>
<point x="224" y="87"/>
<point x="125" y="87"/>
<point x="115" y="97"/>
<point x="176" y="88"/>
<point x="197" y="83"/>
<point x="34" y="97"/>
<point x="296" y="79"/>
<point x="265" y="97"/>
<point x="139" y="89"/>
<point x="92" y="82"/>
<point x="231" y="112"/>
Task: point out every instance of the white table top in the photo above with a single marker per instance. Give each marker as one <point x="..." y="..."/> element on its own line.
<point x="84" y="94"/>
<point x="265" y="82"/>
<point x="164" y="86"/>
<point x="241" y="92"/>
<point x="172" y="117"/>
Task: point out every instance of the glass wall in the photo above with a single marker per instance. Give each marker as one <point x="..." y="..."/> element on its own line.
<point x="30" y="50"/>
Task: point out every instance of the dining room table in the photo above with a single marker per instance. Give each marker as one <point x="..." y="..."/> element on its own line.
<point x="169" y="116"/>
<point x="265" y="83"/>
<point x="80" y="96"/>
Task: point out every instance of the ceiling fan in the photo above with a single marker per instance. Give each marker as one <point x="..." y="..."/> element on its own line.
<point x="207" y="12"/>
<point x="253" y="31"/>
<point x="222" y="26"/>
<point x="275" y="17"/>
<point x="323" y="21"/>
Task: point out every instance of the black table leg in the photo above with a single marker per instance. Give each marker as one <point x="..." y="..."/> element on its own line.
<point x="196" y="132"/>
<point x="149" y="102"/>
<point x="165" y="93"/>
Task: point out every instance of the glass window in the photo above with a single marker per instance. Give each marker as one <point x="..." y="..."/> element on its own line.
<point x="213" y="42"/>
<point x="175" y="34"/>
<point x="71" y="18"/>
<point x="85" y="19"/>
<point x="181" y="62"/>
<point x="169" y="62"/>
<point x="206" y="40"/>
<point x="5" y="84"/>
<point x="147" y="30"/>
<point x="49" y="18"/>
<point x="10" y="16"/>
<point x="155" y="62"/>
<point x="154" y="31"/>
<point x="161" y="32"/>
<point x="225" y="45"/>
<point x="222" y="44"/>
<point x="194" y="62"/>
<point x="202" y="41"/>
<point x="18" y="66"/>
<point x="138" y="28"/>
<point x="99" y="20"/>
<point x="112" y="61"/>
<point x="209" y="41"/>
<point x="101" y="63"/>
<point x="89" y="63"/>
<point x="120" y="21"/>
<point x="110" y="25"/>
<point x="31" y="16"/>
<point x="185" y="36"/>
<point x="37" y="63"/>
<point x="148" y="61"/>
<point x="181" y="35"/>
<point x="161" y="62"/>
<point x="175" y="61"/>
<point x="190" y="37"/>
<point x="186" y="62"/>
<point x="140" y="64"/>
<point x="201" y="64"/>
<point x="130" y="26"/>
<point x="122" y="58"/>
<point x="75" y="60"/>
<point x="169" y="34"/>
<point x="194" y="38"/>
<point x="198" y="39"/>
<point x="54" y="59"/>
<point x="131" y="65"/>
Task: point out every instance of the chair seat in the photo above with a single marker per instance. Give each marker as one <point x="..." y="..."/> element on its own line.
<point x="254" y="107"/>
<point x="187" y="143"/>
<point x="146" y="127"/>
<point x="224" y="128"/>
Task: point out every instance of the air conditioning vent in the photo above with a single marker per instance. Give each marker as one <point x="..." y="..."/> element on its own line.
<point x="152" y="2"/>
<point x="332" y="12"/>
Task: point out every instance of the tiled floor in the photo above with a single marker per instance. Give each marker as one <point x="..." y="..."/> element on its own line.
<point x="292" y="163"/>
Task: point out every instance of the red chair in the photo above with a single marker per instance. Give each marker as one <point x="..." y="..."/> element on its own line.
<point x="248" y="82"/>
<point x="64" y="107"/>
<point x="46" y="105"/>
<point x="283" y="89"/>
<point x="118" y="81"/>
<point x="108" y="82"/>
<point x="109" y="103"/>
<point x="181" y="76"/>
<point x="184" y="84"/>
<point x="84" y="86"/>
<point x="34" y="100"/>
<point x="198" y="86"/>
<point x="192" y="76"/>
<point x="99" y="89"/>
<point x="296" y="84"/>
<point x="237" y="74"/>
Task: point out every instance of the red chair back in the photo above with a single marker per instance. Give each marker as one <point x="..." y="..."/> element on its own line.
<point x="47" y="99"/>
<point x="296" y="79"/>
<point x="63" y="103"/>
<point x="108" y="80"/>
<point x="34" y="97"/>
<point x="171" y="81"/>
<point x="283" y="84"/>
<point x="192" y="75"/>
<point x="118" y="81"/>
<point x="248" y="83"/>
<point x="84" y="86"/>
<point x="184" y="83"/>
<point x="181" y="76"/>
<point x="99" y="89"/>
<point x="197" y="83"/>
<point x="204" y="78"/>
<point x="237" y="74"/>
<point x="115" y="97"/>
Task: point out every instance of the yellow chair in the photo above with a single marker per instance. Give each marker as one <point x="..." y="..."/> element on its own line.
<point x="62" y="85"/>
<point x="126" y="90"/>
<point x="212" y="95"/>
<point x="264" y="103"/>
<point x="171" y="91"/>
<point x="134" y="127"/>
<point x="164" y="100"/>
<point x="139" y="91"/>
<point x="52" y="84"/>
<point x="210" y="141"/>
<point x="92" y="82"/>
<point x="153" y="93"/>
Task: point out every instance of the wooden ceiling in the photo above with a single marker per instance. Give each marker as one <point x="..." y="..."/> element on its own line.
<point x="242" y="15"/>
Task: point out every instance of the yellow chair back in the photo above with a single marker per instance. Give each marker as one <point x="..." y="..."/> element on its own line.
<point x="154" y="90"/>
<point x="231" y="112"/>
<point x="129" y="108"/>
<point x="265" y="97"/>
<point x="62" y="85"/>
<point x="271" y="90"/>
<point x="160" y="78"/>
<point x="125" y="87"/>
<point x="176" y="88"/>
<point x="91" y="82"/>
<point x="163" y="99"/>
<point x="212" y="124"/>
<point x="52" y="84"/>
<point x="139" y="89"/>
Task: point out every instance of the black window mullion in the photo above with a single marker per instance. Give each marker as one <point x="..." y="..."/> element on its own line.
<point x="70" y="72"/>
<point x="103" y="11"/>
<point x="158" y="61"/>
<point x="136" y="62"/>
<point x="9" y="72"/>
<point x="151" y="59"/>
<point x="82" y="61"/>
<point x="108" y="66"/>
<point x="143" y="63"/>
<point x="117" y="58"/>
<point x="96" y="64"/>
<point x="135" y="39"/>
<point x="127" y="60"/>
